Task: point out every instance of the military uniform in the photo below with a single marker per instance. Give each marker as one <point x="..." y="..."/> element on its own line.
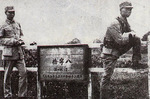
<point x="10" y="33"/>
<point x="115" y="44"/>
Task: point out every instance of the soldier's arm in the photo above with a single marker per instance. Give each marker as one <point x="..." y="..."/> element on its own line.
<point x="21" y="33"/>
<point x="8" y="41"/>
<point x="116" y="34"/>
<point x="1" y="31"/>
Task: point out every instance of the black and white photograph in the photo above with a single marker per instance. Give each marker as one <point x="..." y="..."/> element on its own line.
<point x="74" y="49"/>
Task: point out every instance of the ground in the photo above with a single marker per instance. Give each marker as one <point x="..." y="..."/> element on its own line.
<point x="125" y="85"/>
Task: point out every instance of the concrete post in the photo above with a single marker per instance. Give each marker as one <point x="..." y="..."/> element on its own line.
<point x="90" y="87"/>
<point x="38" y="88"/>
<point x="149" y="66"/>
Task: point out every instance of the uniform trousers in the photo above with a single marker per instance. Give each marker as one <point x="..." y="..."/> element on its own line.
<point x="20" y="65"/>
<point x="109" y="62"/>
<point x="109" y="65"/>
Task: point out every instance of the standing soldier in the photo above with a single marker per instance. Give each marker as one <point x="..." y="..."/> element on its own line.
<point x="10" y="38"/>
<point x="116" y="44"/>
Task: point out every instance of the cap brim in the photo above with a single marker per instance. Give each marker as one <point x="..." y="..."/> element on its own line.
<point x="128" y="7"/>
<point x="10" y="10"/>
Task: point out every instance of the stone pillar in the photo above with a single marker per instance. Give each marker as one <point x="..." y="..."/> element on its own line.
<point x="149" y="66"/>
<point x="38" y="87"/>
<point x="90" y="87"/>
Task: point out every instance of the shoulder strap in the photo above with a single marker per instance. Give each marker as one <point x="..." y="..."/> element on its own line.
<point x="121" y="23"/>
<point x="125" y="27"/>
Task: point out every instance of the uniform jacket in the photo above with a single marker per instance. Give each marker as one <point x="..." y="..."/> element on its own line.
<point x="114" y="35"/>
<point x="10" y="32"/>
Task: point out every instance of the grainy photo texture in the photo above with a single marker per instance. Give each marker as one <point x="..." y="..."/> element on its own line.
<point x="74" y="49"/>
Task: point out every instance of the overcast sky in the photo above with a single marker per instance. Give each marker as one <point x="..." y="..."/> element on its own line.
<point x="59" y="21"/>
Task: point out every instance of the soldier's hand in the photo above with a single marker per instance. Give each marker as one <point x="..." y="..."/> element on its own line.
<point x="131" y="39"/>
<point x="133" y="33"/>
<point x="20" y="42"/>
<point x="125" y="35"/>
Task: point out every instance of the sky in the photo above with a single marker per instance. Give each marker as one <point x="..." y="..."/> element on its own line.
<point x="50" y="22"/>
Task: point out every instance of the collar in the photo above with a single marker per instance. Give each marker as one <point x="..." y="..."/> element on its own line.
<point x="123" y="19"/>
<point x="10" y="21"/>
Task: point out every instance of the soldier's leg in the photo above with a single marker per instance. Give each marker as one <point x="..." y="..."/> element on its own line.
<point x="7" y="78"/>
<point x="136" y="45"/>
<point x="123" y="49"/>
<point x="109" y="65"/>
<point x="22" y="78"/>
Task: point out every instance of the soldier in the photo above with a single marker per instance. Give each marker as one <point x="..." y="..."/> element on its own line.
<point x="118" y="40"/>
<point x="10" y="38"/>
